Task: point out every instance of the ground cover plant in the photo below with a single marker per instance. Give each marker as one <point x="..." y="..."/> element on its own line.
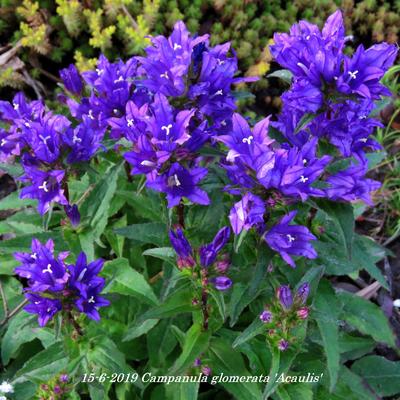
<point x="162" y="244"/>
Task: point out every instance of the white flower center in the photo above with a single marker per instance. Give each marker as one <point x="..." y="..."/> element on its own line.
<point x="129" y="122"/>
<point x="48" y="269"/>
<point x="353" y="74"/>
<point x="44" y="138"/>
<point x="248" y="139"/>
<point x="120" y="79"/>
<point x="166" y="128"/>
<point x="44" y="186"/>
<point x="219" y="93"/>
<point x="177" y="183"/>
<point x="303" y="179"/>
<point x="76" y="139"/>
<point x="15" y="106"/>
<point x="91" y="300"/>
<point x="90" y="114"/>
<point x="164" y="75"/>
<point x="177" y="46"/>
<point x="3" y="142"/>
<point x="290" y="238"/>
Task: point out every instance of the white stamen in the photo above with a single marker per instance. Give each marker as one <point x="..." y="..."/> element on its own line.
<point x="34" y="256"/>
<point x="303" y="179"/>
<point x="27" y="124"/>
<point x="115" y="111"/>
<point x="219" y="93"/>
<point x="90" y="114"/>
<point x="3" y="142"/>
<point x="364" y="140"/>
<point x="75" y="138"/>
<point x="99" y="71"/>
<point x="147" y="163"/>
<point x="290" y="238"/>
<point x="223" y="122"/>
<point x="353" y="74"/>
<point x="308" y="37"/>
<point x="44" y="186"/>
<point x="49" y="309"/>
<point x="48" y="269"/>
<point x="220" y="62"/>
<point x="37" y="302"/>
<point x="166" y="128"/>
<point x="164" y="75"/>
<point x="120" y="79"/>
<point x="129" y="122"/>
<point x="335" y="78"/>
<point x="44" y="138"/>
<point x="91" y="300"/>
<point x="177" y="183"/>
<point x="15" y="106"/>
<point x="248" y="139"/>
<point x="177" y="46"/>
<point x="304" y="161"/>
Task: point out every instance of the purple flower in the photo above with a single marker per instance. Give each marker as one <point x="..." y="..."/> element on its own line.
<point x="221" y="238"/>
<point x="180" y="182"/>
<point x="303" y="312"/>
<point x="89" y="300"/>
<point x="44" y="186"/>
<point x="84" y="275"/>
<point x="9" y="145"/>
<point x="182" y="247"/>
<point x="222" y="283"/>
<point x="266" y="316"/>
<point x="72" y="80"/>
<point x="64" y="378"/>
<point x="246" y="213"/>
<point x="290" y="239"/>
<point x="350" y="184"/>
<point x="363" y="71"/>
<point x="45" y="308"/>
<point x="284" y="295"/>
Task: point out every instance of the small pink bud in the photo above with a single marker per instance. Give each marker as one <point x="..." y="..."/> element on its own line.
<point x="303" y="312"/>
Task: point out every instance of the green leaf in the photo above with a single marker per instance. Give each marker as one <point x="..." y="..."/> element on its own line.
<point x="180" y="301"/>
<point x="44" y="365"/>
<point x="366" y="317"/>
<point x="343" y="217"/>
<point x="140" y="329"/>
<point x="196" y="342"/>
<point x="163" y="253"/>
<point x="382" y="375"/>
<point x="182" y="391"/>
<point x="283" y="74"/>
<point x="304" y="121"/>
<point x="22" y="329"/>
<point x="151" y="232"/>
<point x="225" y="360"/>
<point x="254" y="329"/>
<point x="126" y="281"/>
<point x="326" y="313"/>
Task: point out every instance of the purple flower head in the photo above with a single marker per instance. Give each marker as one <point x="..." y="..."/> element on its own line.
<point x="42" y="269"/>
<point x="284" y="295"/>
<point x="197" y="362"/>
<point x="266" y="316"/>
<point x="83" y="141"/>
<point x="20" y="111"/>
<point x="351" y="184"/>
<point x="222" y="283"/>
<point x="246" y="213"/>
<point x="283" y="345"/>
<point x="44" y="307"/>
<point x="89" y="300"/>
<point x="64" y="378"/>
<point x="180" y="182"/>
<point x="43" y="136"/>
<point x="44" y="186"/>
<point x="168" y="60"/>
<point x="182" y="248"/>
<point x="363" y="71"/>
<point x="72" y="80"/>
<point x="290" y="239"/>
<point x="208" y="253"/>
<point x="303" y="292"/>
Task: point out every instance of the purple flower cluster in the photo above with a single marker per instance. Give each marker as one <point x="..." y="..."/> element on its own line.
<point x="328" y="105"/>
<point x="207" y="256"/>
<point x="54" y="286"/>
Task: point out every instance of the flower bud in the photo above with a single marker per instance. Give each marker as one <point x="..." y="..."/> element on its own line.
<point x="197" y="362"/>
<point x="266" y="316"/>
<point x="206" y="371"/>
<point x="303" y="312"/>
<point x="283" y="345"/>
<point x="303" y="292"/>
<point x="222" y="283"/>
<point x="285" y="297"/>
<point x="223" y="265"/>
